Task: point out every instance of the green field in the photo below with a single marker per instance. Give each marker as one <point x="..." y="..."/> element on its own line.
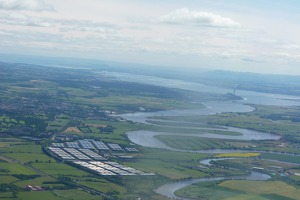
<point x="75" y="195"/>
<point x="240" y="189"/>
<point x="58" y="169"/>
<point x="30" y="157"/>
<point x="192" y="143"/>
<point x="5" y="144"/>
<point x="25" y="147"/>
<point x="56" y="195"/>
<point x="263" y="188"/>
<point x="40" y="181"/>
<point x="6" y="195"/>
<point x="207" y="190"/>
<point x="102" y="185"/>
<point x="180" y="123"/>
<point x="58" y="124"/>
<point x="14" y="168"/>
<point x="281" y="157"/>
<point x="248" y="162"/>
<point x="7" y="179"/>
<point x="111" y="102"/>
<point x="6" y="123"/>
<point x="174" y="165"/>
<point x="117" y="135"/>
<point x="191" y="130"/>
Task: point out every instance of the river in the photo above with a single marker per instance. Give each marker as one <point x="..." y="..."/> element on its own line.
<point x="169" y="189"/>
<point x="147" y="138"/>
<point x="249" y="97"/>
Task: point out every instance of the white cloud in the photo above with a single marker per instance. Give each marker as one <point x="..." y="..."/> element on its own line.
<point x="288" y="57"/>
<point x="186" y="16"/>
<point x="32" y="5"/>
<point x="87" y="26"/>
<point x="140" y="28"/>
<point x="22" y="19"/>
<point x="291" y="46"/>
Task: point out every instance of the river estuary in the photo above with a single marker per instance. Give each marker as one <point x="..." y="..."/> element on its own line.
<point x="147" y="138"/>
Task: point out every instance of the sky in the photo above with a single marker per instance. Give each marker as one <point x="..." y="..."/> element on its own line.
<point x="241" y="35"/>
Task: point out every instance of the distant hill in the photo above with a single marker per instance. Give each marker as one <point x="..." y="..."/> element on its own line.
<point x="267" y="83"/>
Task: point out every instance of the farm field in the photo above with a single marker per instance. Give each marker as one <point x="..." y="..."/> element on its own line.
<point x="192" y="130"/>
<point x="240" y="189"/>
<point x="41" y="181"/>
<point x="59" y="169"/>
<point x="173" y="165"/>
<point x="7" y="179"/>
<point x="263" y="188"/>
<point x="193" y="143"/>
<point x="284" y="158"/>
<point x="13" y="168"/>
<point x="75" y="194"/>
<point x="36" y="114"/>
<point x="30" y="157"/>
<point x="56" y="195"/>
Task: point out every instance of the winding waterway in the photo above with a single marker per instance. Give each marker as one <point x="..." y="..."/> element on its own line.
<point x="147" y="138"/>
<point x="169" y="189"/>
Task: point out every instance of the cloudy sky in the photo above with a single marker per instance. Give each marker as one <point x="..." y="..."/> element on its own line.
<point x="249" y="35"/>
